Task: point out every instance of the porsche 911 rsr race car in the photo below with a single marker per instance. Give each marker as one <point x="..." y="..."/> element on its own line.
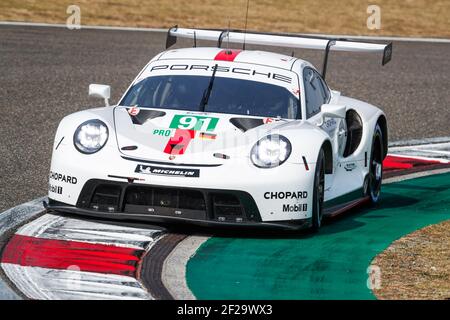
<point x="223" y="136"/>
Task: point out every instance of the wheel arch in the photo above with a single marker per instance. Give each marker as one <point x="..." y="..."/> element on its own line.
<point x="382" y="122"/>
<point x="328" y="153"/>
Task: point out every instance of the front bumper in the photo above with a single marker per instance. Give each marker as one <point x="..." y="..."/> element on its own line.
<point x="163" y="204"/>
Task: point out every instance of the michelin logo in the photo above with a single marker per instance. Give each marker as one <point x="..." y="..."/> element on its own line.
<point x="188" y="173"/>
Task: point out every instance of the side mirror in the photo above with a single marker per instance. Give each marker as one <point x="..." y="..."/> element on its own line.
<point x="333" y="111"/>
<point x="100" y="91"/>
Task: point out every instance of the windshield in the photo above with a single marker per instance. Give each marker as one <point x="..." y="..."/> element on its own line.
<point x="228" y="95"/>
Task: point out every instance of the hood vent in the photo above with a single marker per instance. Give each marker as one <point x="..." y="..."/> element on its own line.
<point x="245" y="124"/>
<point x="145" y="115"/>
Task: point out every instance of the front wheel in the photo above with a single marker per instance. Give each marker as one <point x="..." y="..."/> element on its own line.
<point x="319" y="190"/>
<point x="376" y="166"/>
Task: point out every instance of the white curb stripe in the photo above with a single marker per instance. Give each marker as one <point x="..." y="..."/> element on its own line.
<point x="430" y="149"/>
<point x="415" y="142"/>
<point x="13" y="217"/>
<point x="418" y="157"/>
<point x="56" y="227"/>
<point x="50" y="284"/>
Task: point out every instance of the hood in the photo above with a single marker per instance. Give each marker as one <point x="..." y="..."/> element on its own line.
<point x="186" y="136"/>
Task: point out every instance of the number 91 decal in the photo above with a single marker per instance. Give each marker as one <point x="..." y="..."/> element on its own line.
<point x="197" y="123"/>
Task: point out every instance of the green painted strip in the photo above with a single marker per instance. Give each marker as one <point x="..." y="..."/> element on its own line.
<point x="346" y="198"/>
<point x="328" y="265"/>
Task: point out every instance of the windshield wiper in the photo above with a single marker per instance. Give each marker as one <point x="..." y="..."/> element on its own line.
<point x="207" y="92"/>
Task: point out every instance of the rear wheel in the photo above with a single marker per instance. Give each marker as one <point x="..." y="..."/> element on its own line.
<point x="376" y="166"/>
<point x="319" y="190"/>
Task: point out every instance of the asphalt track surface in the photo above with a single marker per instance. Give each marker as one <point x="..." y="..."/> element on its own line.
<point x="45" y="73"/>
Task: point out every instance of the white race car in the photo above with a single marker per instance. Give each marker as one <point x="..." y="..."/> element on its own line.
<point x="223" y="136"/>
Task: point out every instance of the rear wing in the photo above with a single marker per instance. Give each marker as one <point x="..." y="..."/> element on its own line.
<point x="281" y="40"/>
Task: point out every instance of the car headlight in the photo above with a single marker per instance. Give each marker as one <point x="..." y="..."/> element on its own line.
<point x="271" y="151"/>
<point x="90" y="136"/>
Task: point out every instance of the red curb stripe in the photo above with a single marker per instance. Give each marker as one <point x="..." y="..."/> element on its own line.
<point x="227" y="55"/>
<point x="62" y="254"/>
<point x="401" y="162"/>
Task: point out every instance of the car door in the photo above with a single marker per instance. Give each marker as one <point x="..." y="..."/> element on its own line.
<point x="317" y="93"/>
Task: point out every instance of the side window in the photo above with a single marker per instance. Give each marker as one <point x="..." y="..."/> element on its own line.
<point x="316" y="92"/>
<point x="326" y="91"/>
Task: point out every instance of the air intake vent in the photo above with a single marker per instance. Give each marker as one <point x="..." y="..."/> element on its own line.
<point x="106" y="198"/>
<point x="227" y="207"/>
<point x="165" y="197"/>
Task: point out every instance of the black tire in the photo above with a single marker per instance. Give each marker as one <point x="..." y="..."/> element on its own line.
<point x="375" y="177"/>
<point x="319" y="191"/>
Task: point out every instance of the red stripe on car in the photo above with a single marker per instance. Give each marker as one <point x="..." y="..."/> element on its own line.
<point x="62" y="254"/>
<point x="227" y="55"/>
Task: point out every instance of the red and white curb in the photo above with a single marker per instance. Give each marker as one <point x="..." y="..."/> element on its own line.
<point x="10" y="220"/>
<point x="56" y="257"/>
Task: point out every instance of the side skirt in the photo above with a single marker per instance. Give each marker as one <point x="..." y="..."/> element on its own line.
<point x="344" y="203"/>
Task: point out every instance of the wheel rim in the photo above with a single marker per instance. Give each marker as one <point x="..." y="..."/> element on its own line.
<point x="376" y="170"/>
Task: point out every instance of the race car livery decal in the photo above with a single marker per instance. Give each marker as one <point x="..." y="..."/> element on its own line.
<point x="55" y="189"/>
<point x="163" y="132"/>
<point x="134" y="111"/>
<point x="286" y="195"/>
<point x="193" y="173"/>
<point x="185" y="129"/>
<point x="207" y="136"/>
<point x="251" y="72"/>
<point x="227" y="55"/>
<point x="296" y="92"/>
<point x="295" y="207"/>
<point x="63" y="178"/>
<point x="197" y="123"/>
<point x="179" y="142"/>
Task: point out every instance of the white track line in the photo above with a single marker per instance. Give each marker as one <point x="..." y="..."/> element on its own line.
<point x="415" y="175"/>
<point x="427" y="149"/>
<point x="415" y="142"/>
<point x="87" y="27"/>
<point x="173" y="274"/>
